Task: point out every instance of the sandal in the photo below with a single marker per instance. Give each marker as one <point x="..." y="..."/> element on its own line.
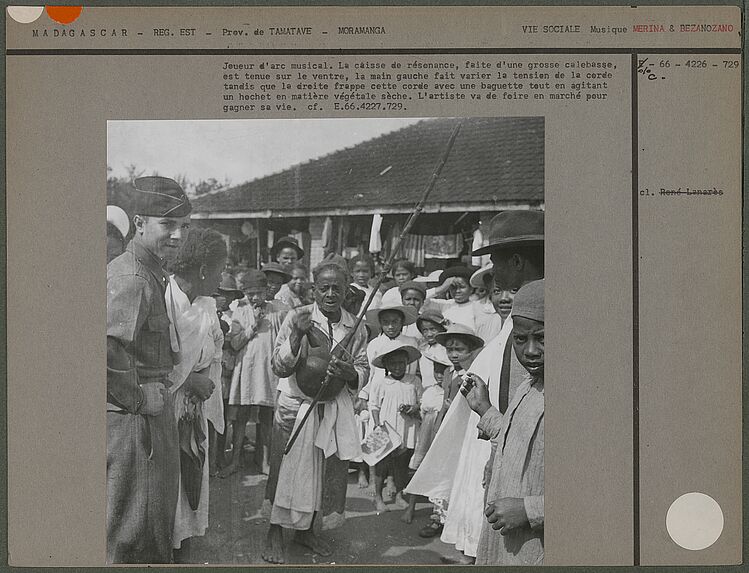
<point x="432" y="530"/>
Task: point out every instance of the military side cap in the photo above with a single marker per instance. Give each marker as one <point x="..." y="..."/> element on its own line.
<point x="156" y="196"/>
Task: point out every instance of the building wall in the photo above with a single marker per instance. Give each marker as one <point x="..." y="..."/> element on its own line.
<point x="316" y="252"/>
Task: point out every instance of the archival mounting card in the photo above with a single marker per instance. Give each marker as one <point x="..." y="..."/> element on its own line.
<point x="622" y="124"/>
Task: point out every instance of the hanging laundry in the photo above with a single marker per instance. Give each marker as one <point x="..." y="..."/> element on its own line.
<point x="443" y="246"/>
<point x="375" y="241"/>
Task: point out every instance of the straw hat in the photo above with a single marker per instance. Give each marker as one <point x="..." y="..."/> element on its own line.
<point x="432" y="315"/>
<point x="437" y="353"/>
<point x="478" y="279"/>
<point x="461" y="330"/>
<point x="392" y="348"/>
<point x="409" y="314"/>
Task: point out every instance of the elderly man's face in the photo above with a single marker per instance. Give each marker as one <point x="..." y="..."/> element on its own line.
<point x="330" y="288"/>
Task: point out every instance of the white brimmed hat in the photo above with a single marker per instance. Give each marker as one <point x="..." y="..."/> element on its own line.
<point x="437" y="353"/>
<point x="478" y="278"/>
<point x="409" y="314"/>
<point x="119" y="219"/>
<point x="461" y="330"/>
<point x="393" y="347"/>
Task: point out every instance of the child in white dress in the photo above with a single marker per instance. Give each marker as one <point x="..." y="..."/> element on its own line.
<point x="395" y="399"/>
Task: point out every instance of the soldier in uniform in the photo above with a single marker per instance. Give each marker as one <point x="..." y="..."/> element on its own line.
<point x="142" y="348"/>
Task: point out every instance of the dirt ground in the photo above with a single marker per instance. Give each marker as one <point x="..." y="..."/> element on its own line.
<point x="238" y="526"/>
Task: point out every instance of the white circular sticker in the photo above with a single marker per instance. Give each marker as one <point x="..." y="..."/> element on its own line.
<point x="694" y="521"/>
<point x="25" y="14"/>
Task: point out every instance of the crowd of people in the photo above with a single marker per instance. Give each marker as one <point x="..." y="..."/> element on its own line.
<point x="451" y="371"/>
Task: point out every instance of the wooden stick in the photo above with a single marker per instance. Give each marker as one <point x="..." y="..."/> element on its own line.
<point x="394" y="251"/>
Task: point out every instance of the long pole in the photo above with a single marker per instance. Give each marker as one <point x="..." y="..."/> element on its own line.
<point x="418" y="208"/>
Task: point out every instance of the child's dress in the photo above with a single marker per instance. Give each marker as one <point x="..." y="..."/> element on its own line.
<point x="253" y="382"/>
<point x="432" y="398"/>
<point x="377" y="375"/>
<point x="388" y="395"/>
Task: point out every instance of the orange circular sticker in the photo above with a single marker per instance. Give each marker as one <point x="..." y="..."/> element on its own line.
<point x="64" y="14"/>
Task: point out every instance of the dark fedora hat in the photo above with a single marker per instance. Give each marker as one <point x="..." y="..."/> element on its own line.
<point x="513" y="229"/>
<point x="228" y="287"/>
<point x="277" y="269"/>
<point x="284" y="242"/>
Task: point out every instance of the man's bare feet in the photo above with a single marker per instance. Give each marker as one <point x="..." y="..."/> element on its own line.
<point x="228" y="470"/>
<point x="273" y="550"/>
<point x="380" y="505"/>
<point x="399" y="502"/>
<point x="313" y="542"/>
<point x="408" y="515"/>
<point x="363" y="481"/>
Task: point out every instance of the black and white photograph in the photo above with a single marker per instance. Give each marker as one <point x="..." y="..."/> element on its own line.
<point x="325" y="341"/>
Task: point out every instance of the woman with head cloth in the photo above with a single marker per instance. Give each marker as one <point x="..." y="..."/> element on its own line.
<point x="196" y="332"/>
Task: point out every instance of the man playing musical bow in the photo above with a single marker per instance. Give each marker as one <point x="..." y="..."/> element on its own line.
<point x="307" y="486"/>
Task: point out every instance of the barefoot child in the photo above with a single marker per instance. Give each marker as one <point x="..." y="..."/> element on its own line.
<point x="395" y="400"/>
<point x="432" y="365"/>
<point x="462" y="346"/>
<point x="391" y="320"/>
<point x="255" y="326"/>
<point x="453" y="505"/>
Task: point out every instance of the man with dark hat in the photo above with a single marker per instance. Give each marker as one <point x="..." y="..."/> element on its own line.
<point x="142" y="348"/>
<point x="286" y="251"/>
<point x="516" y="246"/>
<point x="277" y="276"/>
<point x="515" y="242"/>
